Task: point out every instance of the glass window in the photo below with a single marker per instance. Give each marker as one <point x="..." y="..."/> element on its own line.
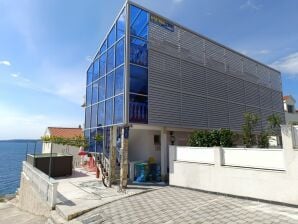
<point x="96" y="69"/>
<point x="102" y="65"/>
<point x="110" y="85"/>
<point x="101" y="114"/>
<point x="102" y="89"/>
<point x="138" y="52"/>
<point x="138" y="22"/>
<point x="89" y="95"/>
<point x="95" y="92"/>
<point x="121" y="25"/>
<point x="109" y="112"/>
<point x="118" y="109"/>
<point x="138" y="80"/>
<point x="119" y="80"/>
<point x="120" y="52"/>
<point x="87" y="135"/>
<point x="99" y="145"/>
<point x="112" y="37"/>
<point x="110" y="60"/>
<point x="107" y="142"/>
<point x="138" y="109"/>
<point x="92" y="141"/>
<point x="103" y="47"/>
<point x="90" y="74"/>
<point x="87" y="117"/>
<point x="94" y="116"/>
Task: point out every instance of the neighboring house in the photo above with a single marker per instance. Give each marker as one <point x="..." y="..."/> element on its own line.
<point x="65" y="149"/>
<point x="291" y="114"/>
<point x="159" y="81"/>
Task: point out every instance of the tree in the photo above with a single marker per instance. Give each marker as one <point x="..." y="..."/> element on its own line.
<point x="250" y="122"/>
<point x="274" y="122"/>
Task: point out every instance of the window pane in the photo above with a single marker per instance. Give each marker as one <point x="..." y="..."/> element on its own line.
<point x="120" y="53"/>
<point x="138" y="109"/>
<point x="138" y="52"/>
<point x="89" y="95"/>
<point x="110" y="60"/>
<point x="119" y="80"/>
<point x="118" y="109"/>
<point x="92" y="142"/>
<point x="138" y="80"/>
<point x="94" y="116"/>
<point x="121" y="25"/>
<point x="96" y="69"/>
<point x="90" y="74"/>
<point x="102" y="65"/>
<point x="107" y="141"/>
<point x="109" y="112"/>
<point x="87" y="135"/>
<point x="112" y="37"/>
<point x="103" y="47"/>
<point x="95" y="92"/>
<point x="101" y="114"/>
<point x="99" y="145"/>
<point x="138" y="22"/>
<point x="87" y="117"/>
<point x="110" y="85"/>
<point x="102" y="89"/>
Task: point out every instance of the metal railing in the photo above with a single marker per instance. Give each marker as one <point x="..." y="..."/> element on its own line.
<point x="45" y="186"/>
<point x="138" y="112"/>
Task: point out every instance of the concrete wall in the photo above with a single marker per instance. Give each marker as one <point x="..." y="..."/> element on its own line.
<point x="291" y="117"/>
<point x="266" y="184"/>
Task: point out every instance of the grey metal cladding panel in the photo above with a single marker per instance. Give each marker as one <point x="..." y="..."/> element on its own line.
<point x="193" y="78"/>
<point x="256" y="111"/>
<point x="263" y="74"/>
<point x="218" y="113"/>
<point x="163" y="40"/>
<point x="277" y="101"/>
<point x="164" y="70"/>
<point x="234" y="63"/>
<point x="236" y="116"/>
<point x="194" y="111"/>
<point x="275" y="78"/>
<point x="192" y="47"/>
<point x="252" y="96"/>
<point x="250" y="70"/>
<point x="164" y="106"/>
<point x="216" y="84"/>
<point x="265" y="97"/>
<point x="215" y="56"/>
<point x="236" y="91"/>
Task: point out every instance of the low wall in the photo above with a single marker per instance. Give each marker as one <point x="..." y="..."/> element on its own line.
<point x="38" y="192"/>
<point x="255" y="173"/>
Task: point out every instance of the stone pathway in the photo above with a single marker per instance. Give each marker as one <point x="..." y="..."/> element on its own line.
<point x="9" y="214"/>
<point x="176" y="205"/>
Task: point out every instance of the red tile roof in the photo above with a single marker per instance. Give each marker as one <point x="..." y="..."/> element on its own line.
<point x="286" y="97"/>
<point x="65" y="132"/>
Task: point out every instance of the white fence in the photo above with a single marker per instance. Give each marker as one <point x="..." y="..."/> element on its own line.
<point x="195" y="154"/>
<point x="45" y="186"/>
<point x="295" y="136"/>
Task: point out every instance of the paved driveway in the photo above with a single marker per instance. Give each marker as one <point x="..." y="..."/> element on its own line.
<point x="176" y="205"/>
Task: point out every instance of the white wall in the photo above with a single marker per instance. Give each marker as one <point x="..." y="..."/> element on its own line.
<point x="272" y="185"/>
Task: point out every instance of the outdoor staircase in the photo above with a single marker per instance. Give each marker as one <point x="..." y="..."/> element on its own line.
<point x="104" y="166"/>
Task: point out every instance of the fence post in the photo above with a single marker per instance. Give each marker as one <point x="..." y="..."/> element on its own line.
<point x="218" y="156"/>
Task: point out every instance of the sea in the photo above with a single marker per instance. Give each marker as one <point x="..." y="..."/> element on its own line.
<point x="12" y="153"/>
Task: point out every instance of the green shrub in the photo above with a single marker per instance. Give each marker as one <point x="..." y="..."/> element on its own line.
<point x="263" y="140"/>
<point x="199" y="139"/>
<point x="214" y="138"/>
<point x="226" y="137"/>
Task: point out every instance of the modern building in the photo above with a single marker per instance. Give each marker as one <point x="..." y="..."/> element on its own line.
<point x="291" y="113"/>
<point x="163" y="81"/>
<point x="64" y="149"/>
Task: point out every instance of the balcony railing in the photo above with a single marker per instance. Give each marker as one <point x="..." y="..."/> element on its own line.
<point x="138" y="112"/>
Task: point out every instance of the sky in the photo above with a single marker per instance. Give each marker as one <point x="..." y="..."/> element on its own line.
<point x="46" y="47"/>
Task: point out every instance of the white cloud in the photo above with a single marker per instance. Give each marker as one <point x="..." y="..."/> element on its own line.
<point x="264" y="51"/>
<point x="288" y="64"/>
<point x="250" y="5"/>
<point x="5" y="62"/>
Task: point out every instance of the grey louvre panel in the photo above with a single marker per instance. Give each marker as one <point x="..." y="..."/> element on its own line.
<point x="263" y="74"/>
<point x="163" y="39"/>
<point x="215" y="56"/>
<point x="164" y="70"/>
<point x="282" y="116"/>
<point x="193" y="78"/>
<point x="236" y="91"/>
<point x="275" y="80"/>
<point x="192" y="47"/>
<point x="277" y="102"/>
<point x="264" y="119"/>
<point x="216" y="84"/>
<point x="256" y="110"/>
<point x="250" y="70"/>
<point x="236" y="116"/>
<point x="265" y="98"/>
<point x="218" y="113"/>
<point x="194" y="111"/>
<point x="164" y="107"/>
<point x="252" y="97"/>
<point x="234" y="64"/>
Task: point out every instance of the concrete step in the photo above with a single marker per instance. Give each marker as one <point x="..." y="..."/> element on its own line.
<point x="55" y="218"/>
